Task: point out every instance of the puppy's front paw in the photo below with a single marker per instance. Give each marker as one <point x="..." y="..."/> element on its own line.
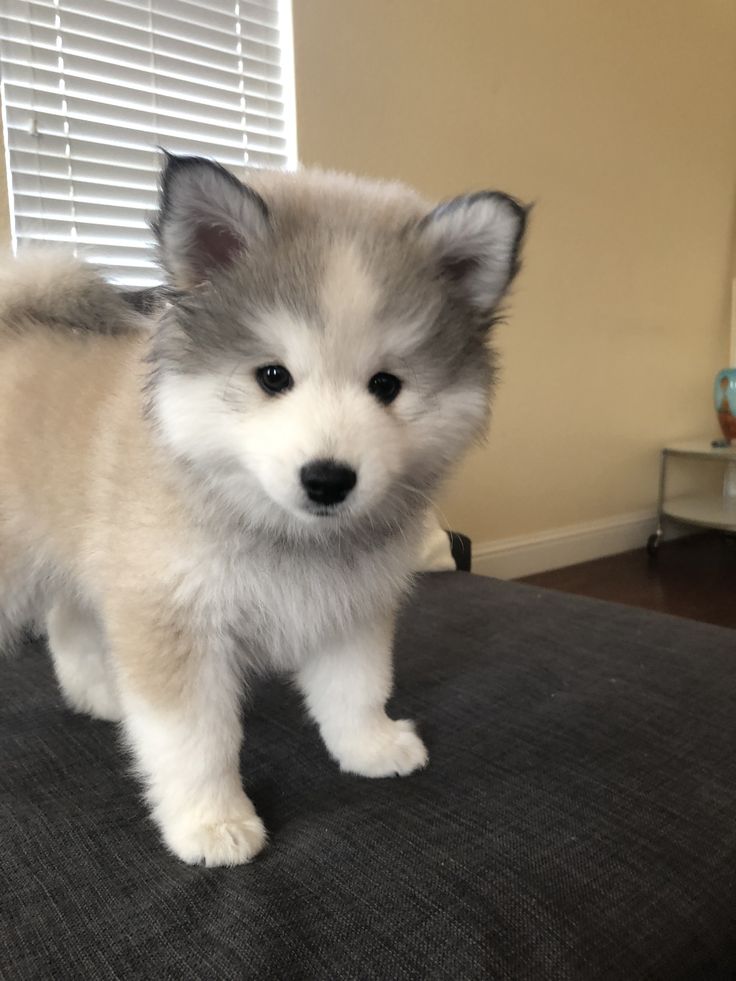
<point x="230" y="839"/>
<point x="388" y="749"/>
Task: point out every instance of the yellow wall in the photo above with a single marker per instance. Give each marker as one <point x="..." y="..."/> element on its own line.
<point x="619" y="120"/>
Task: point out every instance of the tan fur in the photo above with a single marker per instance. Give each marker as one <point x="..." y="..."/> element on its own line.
<point x="82" y="484"/>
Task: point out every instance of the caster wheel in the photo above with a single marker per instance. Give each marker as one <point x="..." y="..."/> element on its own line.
<point x="653" y="544"/>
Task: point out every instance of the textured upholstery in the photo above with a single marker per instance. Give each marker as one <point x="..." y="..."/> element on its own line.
<point x="577" y="819"/>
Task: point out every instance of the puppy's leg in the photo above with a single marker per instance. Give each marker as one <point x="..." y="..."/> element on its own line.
<point x="181" y="705"/>
<point x="78" y="649"/>
<point x="345" y="688"/>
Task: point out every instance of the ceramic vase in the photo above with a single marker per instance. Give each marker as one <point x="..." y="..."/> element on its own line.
<point x="724" y="396"/>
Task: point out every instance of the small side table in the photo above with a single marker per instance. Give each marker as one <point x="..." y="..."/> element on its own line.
<point x="716" y="511"/>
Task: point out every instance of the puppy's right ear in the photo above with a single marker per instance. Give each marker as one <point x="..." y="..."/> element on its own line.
<point x="206" y="218"/>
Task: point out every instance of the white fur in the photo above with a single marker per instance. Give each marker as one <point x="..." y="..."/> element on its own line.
<point x="324" y="633"/>
<point x="81" y="660"/>
<point x="345" y="686"/>
<point x="190" y="767"/>
<point x="260" y="443"/>
<point x="330" y="414"/>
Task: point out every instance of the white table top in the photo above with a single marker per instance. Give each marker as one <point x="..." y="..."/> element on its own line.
<point x="702" y="448"/>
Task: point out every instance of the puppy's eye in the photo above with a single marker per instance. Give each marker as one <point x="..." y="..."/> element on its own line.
<point x="274" y="379"/>
<point x="385" y="387"/>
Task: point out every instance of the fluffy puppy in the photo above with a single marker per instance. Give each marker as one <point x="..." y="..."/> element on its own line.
<point x="239" y="481"/>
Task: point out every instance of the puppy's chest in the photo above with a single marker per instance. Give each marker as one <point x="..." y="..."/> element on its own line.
<point x="278" y="607"/>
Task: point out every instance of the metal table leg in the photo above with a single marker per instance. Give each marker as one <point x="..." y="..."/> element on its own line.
<point x="655" y="540"/>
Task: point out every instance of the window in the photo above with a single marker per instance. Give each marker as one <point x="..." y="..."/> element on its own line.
<point x="92" y="88"/>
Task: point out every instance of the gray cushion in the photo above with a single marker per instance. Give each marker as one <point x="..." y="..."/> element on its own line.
<point x="577" y="819"/>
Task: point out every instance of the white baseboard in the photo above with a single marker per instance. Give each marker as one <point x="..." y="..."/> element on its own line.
<point x="511" y="558"/>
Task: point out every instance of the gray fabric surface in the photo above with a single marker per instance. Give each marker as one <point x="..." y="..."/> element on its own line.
<point x="577" y="819"/>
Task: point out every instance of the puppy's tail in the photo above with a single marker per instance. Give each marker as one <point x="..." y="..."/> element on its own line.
<point x="52" y="289"/>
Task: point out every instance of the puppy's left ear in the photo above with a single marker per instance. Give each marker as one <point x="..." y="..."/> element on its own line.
<point x="477" y="238"/>
<point x="206" y="218"/>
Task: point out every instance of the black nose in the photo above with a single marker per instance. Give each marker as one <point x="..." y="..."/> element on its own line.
<point x="327" y="481"/>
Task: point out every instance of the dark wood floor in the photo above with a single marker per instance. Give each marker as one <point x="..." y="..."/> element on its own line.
<point x="691" y="577"/>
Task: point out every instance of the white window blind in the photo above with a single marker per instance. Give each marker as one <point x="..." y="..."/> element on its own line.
<point x="91" y="89"/>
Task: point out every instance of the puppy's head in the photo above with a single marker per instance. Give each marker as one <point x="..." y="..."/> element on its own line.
<point x="325" y="360"/>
